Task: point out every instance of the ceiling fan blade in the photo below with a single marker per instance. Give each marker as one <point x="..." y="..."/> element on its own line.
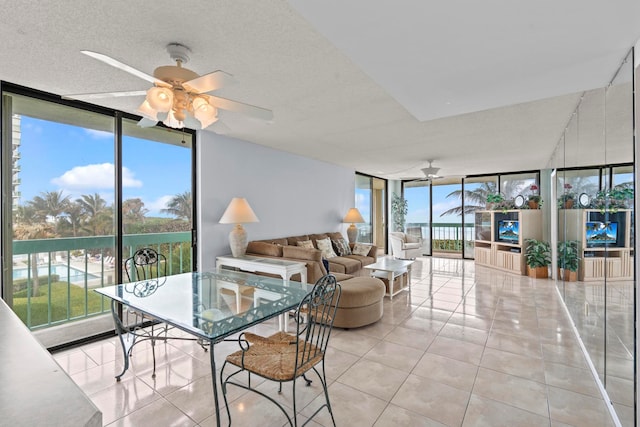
<point x="147" y="123"/>
<point x="124" y="67"/>
<point x="89" y="96"/>
<point x="209" y="82"/>
<point x="239" y="107"/>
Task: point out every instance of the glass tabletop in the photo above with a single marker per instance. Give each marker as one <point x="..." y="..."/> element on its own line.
<point x="195" y="302"/>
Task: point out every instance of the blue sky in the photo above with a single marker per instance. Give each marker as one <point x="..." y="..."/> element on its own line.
<point x="76" y="160"/>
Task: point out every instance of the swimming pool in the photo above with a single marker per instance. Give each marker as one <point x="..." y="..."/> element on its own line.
<point x="74" y="275"/>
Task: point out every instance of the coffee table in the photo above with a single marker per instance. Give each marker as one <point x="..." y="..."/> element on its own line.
<point x="390" y="269"/>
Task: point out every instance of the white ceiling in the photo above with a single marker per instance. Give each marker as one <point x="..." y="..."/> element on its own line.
<point x="380" y="87"/>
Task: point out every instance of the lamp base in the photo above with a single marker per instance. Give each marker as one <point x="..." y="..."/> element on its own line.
<point x="238" y="241"/>
<point x="352" y="233"/>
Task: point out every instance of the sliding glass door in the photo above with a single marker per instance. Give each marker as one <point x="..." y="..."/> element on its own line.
<point x="83" y="196"/>
<point x="371" y="202"/>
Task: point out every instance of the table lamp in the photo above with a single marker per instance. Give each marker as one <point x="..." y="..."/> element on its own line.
<point x="238" y="212"/>
<point x="353" y="216"/>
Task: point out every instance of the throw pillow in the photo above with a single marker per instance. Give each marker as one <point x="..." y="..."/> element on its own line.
<point x="325" y="263"/>
<point x="361" y="249"/>
<point x="342" y="247"/>
<point x="305" y="244"/>
<point x="325" y="247"/>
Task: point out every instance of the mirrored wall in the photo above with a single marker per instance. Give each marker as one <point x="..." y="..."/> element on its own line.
<point x="594" y="186"/>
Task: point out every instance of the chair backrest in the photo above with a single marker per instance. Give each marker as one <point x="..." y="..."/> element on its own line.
<point x="144" y="264"/>
<point x="319" y="308"/>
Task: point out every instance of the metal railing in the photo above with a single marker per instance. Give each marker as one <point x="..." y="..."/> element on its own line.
<point x="53" y="279"/>
<point x="447" y="236"/>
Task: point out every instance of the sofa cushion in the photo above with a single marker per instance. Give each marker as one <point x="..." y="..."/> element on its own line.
<point x="292" y="241"/>
<point x="344" y="265"/>
<point x="305" y="244"/>
<point x="326" y="248"/>
<point x="316" y="237"/>
<point x="341" y="246"/>
<point x="361" y="291"/>
<point x="302" y="253"/>
<point x="363" y="260"/>
<point x="263" y="248"/>
<point x="335" y="236"/>
<point x="361" y="249"/>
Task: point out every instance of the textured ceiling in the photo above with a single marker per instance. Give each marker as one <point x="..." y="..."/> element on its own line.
<point x="380" y="87"/>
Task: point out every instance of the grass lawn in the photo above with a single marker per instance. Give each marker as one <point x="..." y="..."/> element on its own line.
<point x="59" y="294"/>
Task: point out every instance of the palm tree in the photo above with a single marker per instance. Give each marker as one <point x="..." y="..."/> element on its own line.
<point x="73" y="218"/>
<point x="133" y="210"/>
<point x="51" y="204"/>
<point x="180" y="206"/>
<point x="97" y="214"/>
<point x="474" y="200"/>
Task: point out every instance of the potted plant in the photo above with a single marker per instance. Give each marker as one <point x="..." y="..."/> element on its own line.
<point x="537" y="255"/>
<point x="534" y="200"/>
<point x="492" y="199"/>
<point x="567" y="199"/>
<point x="568" y="260"/>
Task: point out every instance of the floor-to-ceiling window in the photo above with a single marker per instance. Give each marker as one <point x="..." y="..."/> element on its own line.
<point x="418" y="219"/>
<point x="68" y="169"/>
<point x="371" y="196"/>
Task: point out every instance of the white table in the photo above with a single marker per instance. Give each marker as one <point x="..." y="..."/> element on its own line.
<point x="281" y="267"/>
<point x="390" y="269"/>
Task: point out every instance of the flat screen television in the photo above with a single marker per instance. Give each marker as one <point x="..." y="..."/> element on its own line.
<point x="599" y="233"/>
<point x="508" y="231"/>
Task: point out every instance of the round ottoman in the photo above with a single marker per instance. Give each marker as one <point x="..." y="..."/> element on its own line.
<point x="360" y="302"/>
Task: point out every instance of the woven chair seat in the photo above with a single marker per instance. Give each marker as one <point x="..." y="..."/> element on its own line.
<point x="274" y="357"/>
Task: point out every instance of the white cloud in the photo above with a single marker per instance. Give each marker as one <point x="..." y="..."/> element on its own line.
<point x="98" y="134"/>
<point x="158" y="204"/>
<point x="94" y="176"/>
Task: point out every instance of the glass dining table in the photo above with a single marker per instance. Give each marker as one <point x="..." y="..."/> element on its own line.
<point x="195" y="303"/>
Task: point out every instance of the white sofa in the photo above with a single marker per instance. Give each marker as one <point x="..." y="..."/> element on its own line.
<point x="405" y="246"/>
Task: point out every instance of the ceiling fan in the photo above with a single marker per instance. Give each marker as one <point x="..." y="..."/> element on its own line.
<point x="430" y="173"/>
<point x="178" y="97"/>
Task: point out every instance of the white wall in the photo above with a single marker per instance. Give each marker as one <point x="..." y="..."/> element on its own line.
<point x="290" y="194"/>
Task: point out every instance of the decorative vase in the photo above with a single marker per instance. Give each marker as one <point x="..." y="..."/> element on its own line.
<point x="533" y="204"/>
<point x="489" y="206"/>
<point x="568" y="204"/>
<point x="538" y="272"/>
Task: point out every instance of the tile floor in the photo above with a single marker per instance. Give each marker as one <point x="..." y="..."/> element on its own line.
<point x="467" y="347"/>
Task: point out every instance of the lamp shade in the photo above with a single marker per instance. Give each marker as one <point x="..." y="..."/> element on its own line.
<point x="238" y="212"/>
<point x="353" y="216"/>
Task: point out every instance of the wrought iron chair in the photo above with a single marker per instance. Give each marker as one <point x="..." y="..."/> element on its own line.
<point x="145" y="270"/>
<point x="145" y="263"/>
<point x="283" y="357"/>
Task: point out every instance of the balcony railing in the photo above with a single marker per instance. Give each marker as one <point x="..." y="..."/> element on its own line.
<point x="53" y="279"/>
<point x="447" y="237"/>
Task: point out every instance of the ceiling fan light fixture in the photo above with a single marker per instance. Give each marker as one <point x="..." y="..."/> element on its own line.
<point x="160" y="99"/>
<point x="145" y="110"/>
<point x="206" y="113"/>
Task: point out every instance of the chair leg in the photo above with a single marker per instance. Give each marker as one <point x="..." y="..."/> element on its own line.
<point x="307" y="380"/>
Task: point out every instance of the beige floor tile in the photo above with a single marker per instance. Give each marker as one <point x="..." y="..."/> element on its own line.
<point x="73" y="361"/>
<point x="395" y="416"/>
<point x="483" y="412"/>
<point x="345" y="341"/>
<point x="351" y="407"/>
<point x="447" y="371"/>
<point x="513" y="364"/>
<point x="420" y="340"/>
<point x="374" y="378"/>
<point x="570" y="378"/>
<point x="123" y="398"/>
<point x="578" y="409"/>
<point x="434" y="400"/>
<point x="395" y="355"/>
<point x="457" y="349"/>
<point x="525" y="394"/>
<point x="525" y="346"/>
<point x="155" y="414"/>
<point x="464" y="333"/>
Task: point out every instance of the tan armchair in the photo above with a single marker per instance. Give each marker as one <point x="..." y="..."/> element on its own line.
<point x="405" y="246"/>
